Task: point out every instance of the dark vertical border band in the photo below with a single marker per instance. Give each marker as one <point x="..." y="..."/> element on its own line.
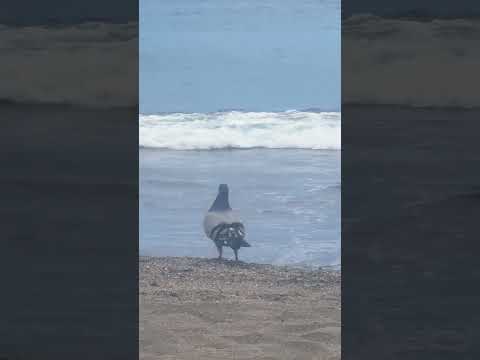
<point x="69" y="185"/>
<point x="410" y="180"/>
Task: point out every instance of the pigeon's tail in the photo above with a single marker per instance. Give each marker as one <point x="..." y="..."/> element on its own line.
<point x="243" y="243"/>
<point x="232" y="235"/>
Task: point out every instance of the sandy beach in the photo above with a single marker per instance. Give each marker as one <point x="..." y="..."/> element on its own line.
<point x="195" y="308"/>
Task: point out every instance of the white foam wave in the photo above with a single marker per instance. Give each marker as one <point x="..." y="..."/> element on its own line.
<point x="91" y="64"/>
<point x="409" y="62"/>
<point x="242" y="130"/>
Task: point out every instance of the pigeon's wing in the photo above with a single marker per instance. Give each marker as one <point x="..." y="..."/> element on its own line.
<point x="215" y="218"/>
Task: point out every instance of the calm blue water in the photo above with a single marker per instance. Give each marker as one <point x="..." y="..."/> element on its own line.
<point x="211" y="55"/>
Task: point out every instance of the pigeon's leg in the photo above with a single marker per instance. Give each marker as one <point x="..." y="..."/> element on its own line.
<point x="236" y="254"/>
<point x="219" y="249"/>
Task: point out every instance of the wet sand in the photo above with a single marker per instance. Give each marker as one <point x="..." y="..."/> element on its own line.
<point x="194" y="308"/>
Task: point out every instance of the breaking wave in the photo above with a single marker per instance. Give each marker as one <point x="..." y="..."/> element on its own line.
<point x="410" y="62"/>
<point x="89" y="64"/>
<point x="241" y="130"/>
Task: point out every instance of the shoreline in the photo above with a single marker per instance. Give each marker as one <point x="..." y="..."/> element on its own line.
<point x="336" y="268"/>
<point x="200" y="308"/>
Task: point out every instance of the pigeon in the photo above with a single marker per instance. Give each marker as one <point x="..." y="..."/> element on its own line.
<point x="222" y="225"/>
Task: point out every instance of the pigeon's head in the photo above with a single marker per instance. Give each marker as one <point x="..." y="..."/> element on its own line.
<point x="221" y="201"/>
<point x="223" y="188"/>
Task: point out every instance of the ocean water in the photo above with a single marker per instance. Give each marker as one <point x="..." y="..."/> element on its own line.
<point x="283" y="170"/>
<point x="211" y="55"/>
<point x="199" y="61"/>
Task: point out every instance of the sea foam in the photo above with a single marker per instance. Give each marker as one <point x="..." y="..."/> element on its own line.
<point x="412" y="63"/>
<point x="241" y="130"/>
